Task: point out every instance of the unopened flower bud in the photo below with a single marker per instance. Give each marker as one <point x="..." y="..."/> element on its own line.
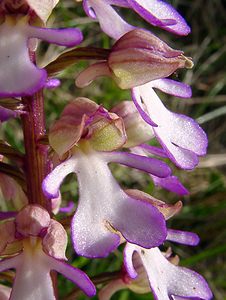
<point x="139" y="57"/>
<point x="31" y="220"/>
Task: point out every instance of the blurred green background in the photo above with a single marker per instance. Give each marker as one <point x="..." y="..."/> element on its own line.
<point x="205" y="208"/>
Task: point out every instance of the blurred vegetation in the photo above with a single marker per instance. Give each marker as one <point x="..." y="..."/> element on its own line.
<point x="205" y="208"/>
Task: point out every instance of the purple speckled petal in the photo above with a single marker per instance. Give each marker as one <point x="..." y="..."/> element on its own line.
<point x="182" y="237"/>
<point x="173" y="87"/>
<point x="6" y="114"/>
<point x="75" y="275"/>
<point x="52" y="182"/>
<point x="143" y="163"/>
<point x="110" y="22"/>
<point x="167" y="281"/>
<point x="105" y="210"/>
<point x="172" y="184"/>
<point x="161" y="14"/>
<point x="181" y="137"/>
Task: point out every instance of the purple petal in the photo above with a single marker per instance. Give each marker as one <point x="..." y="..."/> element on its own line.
<point x="182" y="237"/>
<point x="107" y="16"/>
<point x="173" y="87"/>
<point x="171" y="183"/>
<point x="140" y="223"/>
<point x="105" y="211"/>
<point x="67" y="37"/>
<point x="75" y="275"/>
<point x="51" y="184"/>
<point x="52" y="83"/>
<point x="161" y="14"/>
<point x="68" y="208"/>
<point x="146" y="164"/>
<point x="6" y="114"/>
<point x="7" y="214"/>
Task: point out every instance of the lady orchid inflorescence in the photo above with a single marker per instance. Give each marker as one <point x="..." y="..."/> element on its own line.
<point x="87" y="139"/>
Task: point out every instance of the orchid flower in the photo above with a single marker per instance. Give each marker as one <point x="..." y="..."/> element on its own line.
<point x="38" y="244"/>
<point x="141" y="61"/>
<point x="19" y="76"/>
<point x="156" y="12"/>
<point x="146" y="269"/>
<point x="167" y="281"/>
<point x="180" y="136"/>
<point x="151" y="269"/>
<point x="105" y="212"/>
<point x="138" y="57"/>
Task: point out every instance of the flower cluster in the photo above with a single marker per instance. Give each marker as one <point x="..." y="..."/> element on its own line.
<point x="84" y="140"/>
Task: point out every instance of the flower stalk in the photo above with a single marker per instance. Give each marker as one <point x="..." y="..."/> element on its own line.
<point x="36" y="159"/>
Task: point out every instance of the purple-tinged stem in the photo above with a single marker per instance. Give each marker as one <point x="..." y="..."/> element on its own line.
<point x="36" y="159"/>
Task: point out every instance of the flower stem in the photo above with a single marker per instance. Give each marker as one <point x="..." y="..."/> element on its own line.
<point x="36" y="153"/>
<point x="36" y="160"/>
